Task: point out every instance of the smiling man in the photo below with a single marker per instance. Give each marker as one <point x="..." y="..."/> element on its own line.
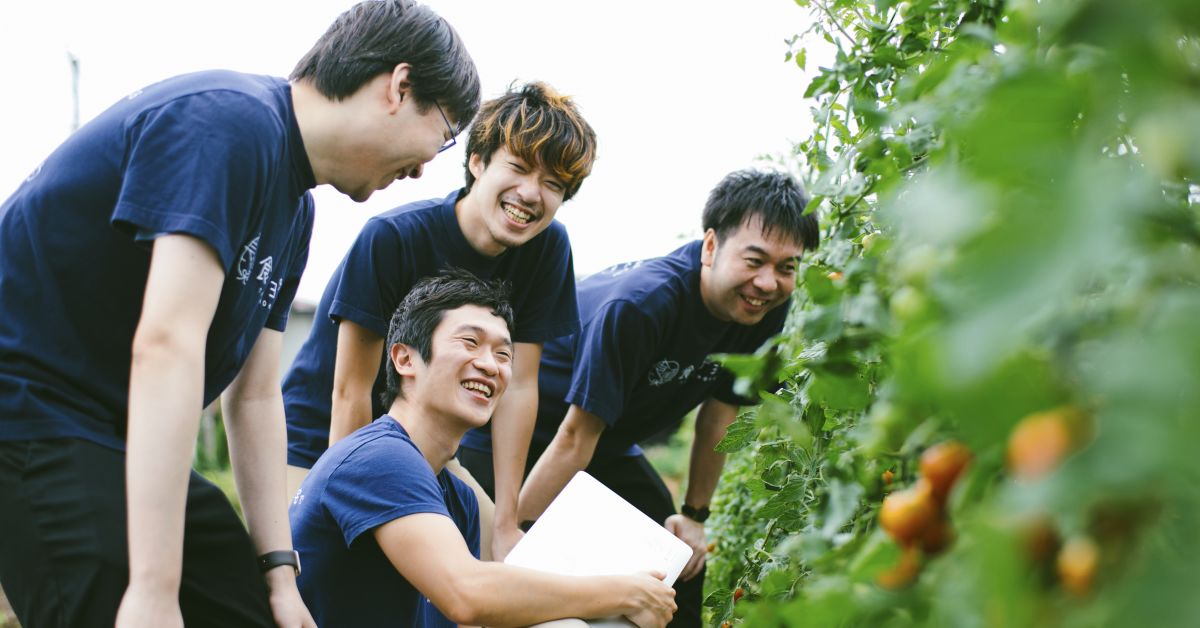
<point x="388" y="536"/>
<point x="527" y="153"/>
<point x="148" y="266"/>
<point x="640" y="363"/>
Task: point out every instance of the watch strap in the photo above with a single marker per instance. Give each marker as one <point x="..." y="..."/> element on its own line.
<point x="279" y="558"/>
<point x="699" y="515"/>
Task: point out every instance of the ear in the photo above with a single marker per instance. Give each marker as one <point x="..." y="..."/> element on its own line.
<point x="398" y="87"/>
<point x="708" y="250"/>
<point x="475" y="165"/>
<point x="404" y="359"/>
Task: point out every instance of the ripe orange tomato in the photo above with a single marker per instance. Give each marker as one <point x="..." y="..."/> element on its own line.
<point x="1039" y="443"/>
<point x="904" y="572"/>
<point x="834" y="275"/>
<point x="937" y="536"/>
<point x="737" y="594"/>
<point x="1077" y="562"/>
<point x="888" y="476"/>
<point x="942" y="464"/>
<point x="906" y="514"/>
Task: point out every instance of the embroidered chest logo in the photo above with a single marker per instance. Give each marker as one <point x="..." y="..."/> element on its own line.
<point x="666" y="371"/>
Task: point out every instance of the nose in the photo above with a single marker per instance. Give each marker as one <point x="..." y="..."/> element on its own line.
<point x="765" y="279"/>
<point x="486" y="363"/>
<point x="415" y="173"/>
<point x="527" y="189"/>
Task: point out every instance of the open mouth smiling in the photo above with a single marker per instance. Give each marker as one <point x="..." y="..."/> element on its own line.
<point x="478" y="387"/>
<point x="517" y="214"/>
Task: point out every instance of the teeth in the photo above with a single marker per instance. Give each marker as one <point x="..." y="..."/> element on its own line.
<point x="487" y="392"/>
<point x="754" y="302"/>
<point x="518" y="215"/>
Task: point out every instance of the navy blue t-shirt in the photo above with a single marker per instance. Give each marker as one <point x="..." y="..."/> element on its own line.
<point x="365" y="480"/>
<point x="216" y="155"/>
<point x="395" y="250"/>
<point x="640" y="362"/>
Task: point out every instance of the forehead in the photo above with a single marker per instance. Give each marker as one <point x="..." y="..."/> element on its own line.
<point x="473" y="318"/>
<point x="752" y="234"/>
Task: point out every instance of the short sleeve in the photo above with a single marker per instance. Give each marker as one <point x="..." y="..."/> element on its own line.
<point x="382" y="480"/>
<point x="551" y="309"/>
<point x="198" y="165"/>
<point x="373" y="278"/>
<point x="613" y="350"/>
<point x="278" y="318"/>
<point x="471" y="534"/>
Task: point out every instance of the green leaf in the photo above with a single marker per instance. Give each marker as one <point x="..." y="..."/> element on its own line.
<point x="839" y="392"/>
<point x="841" y="505"/>
<point x="739" y="434"/>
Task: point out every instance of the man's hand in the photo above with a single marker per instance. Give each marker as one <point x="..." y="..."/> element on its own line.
<point x="142" y="607"/>
<point x="504" y="538"/>
<point x="692" y="533"/>
<point x="652" y="600"/>
<point x="286" y="606"/>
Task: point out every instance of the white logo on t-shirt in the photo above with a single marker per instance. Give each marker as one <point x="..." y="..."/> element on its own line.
<point x="667" y="371"/>
<point x="663" y="372"/>
<point x="245" y="266"/>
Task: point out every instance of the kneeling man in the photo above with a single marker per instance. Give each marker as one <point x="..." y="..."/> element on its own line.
<point x="388" y="537"/>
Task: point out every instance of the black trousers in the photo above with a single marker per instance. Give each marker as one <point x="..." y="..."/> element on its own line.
<point x="632" y="478"/>
<point x="63" y="548"/>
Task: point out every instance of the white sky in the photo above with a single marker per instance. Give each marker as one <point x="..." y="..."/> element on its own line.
<point x="679" y="92"/>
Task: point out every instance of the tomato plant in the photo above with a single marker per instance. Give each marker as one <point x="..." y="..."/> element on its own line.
<point x="1008" y="194"/>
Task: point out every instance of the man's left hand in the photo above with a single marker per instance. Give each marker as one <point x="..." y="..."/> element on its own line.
<point x="692" y="533"/>
<point x="287" y="607"/>
<point x="504" y="538"/>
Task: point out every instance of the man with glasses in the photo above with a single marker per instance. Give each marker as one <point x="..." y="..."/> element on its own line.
<point x="148" y="265"/>
<point x="527" y="153"/>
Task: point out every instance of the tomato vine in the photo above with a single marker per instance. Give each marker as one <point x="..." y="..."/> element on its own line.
<point x="1008" y="198"/>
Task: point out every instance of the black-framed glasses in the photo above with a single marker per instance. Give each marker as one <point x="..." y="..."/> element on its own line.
<point x="453" y="131"/>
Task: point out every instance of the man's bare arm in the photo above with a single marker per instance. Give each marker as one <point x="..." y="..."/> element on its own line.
<point x="166" y="389"/>
<point x="512" y="429"/>
<point x="429" y="551"/>
<point x="253" y="413"/>
<point x="569" y="452"/>
<point x="359" y="354"/>
<point x="704" y="471"/>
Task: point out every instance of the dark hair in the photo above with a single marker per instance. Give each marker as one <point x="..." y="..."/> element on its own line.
<point x="540" y="126"/>
<point x="373" y="37"/>
<point x="422" y="311"/>
<point x="776" y="197"/>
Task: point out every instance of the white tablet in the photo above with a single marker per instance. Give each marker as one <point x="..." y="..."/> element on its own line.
<point x="588" y="530"/>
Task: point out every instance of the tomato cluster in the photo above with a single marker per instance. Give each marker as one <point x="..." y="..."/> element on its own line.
<point x="916" y="517"/>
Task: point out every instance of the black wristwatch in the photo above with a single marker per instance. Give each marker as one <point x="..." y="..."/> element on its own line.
<point x="699" y="515"/>
<point x="271" y="560"/>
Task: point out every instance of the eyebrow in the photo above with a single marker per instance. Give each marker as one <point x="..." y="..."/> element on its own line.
<point x="751" y="248"/>
<point x="476" y="329"/>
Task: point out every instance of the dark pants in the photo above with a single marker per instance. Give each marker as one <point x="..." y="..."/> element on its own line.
<point x="638" y="483"/>
<point x="63" y="548"/>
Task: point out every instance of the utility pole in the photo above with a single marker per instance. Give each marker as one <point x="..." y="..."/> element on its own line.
<point x="74" y="90"/>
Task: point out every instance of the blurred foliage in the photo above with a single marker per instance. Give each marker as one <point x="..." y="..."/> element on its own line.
<point x="1008" y="198"/>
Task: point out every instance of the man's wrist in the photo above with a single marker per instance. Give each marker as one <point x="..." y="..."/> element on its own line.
<point x="270" y="561"/>
<point x="699" y="514"/>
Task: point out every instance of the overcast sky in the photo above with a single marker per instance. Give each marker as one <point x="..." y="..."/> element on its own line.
<point x="679" y="92"/>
